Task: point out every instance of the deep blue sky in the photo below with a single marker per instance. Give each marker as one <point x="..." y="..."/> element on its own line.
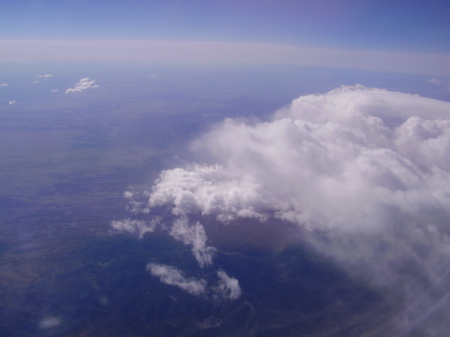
<point x="411" y="26"/>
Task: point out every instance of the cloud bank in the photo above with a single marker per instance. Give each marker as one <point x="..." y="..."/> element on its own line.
<point x="83" y="84"/>
<point x="366" y="168"/>
<point x="366" y="171"/>
<point x="341" y="160"/>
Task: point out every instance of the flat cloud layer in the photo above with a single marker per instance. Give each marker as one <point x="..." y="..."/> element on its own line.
<point x="367" y="168"/>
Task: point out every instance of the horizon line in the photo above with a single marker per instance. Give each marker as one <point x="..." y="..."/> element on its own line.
<point x="176" y="51"/>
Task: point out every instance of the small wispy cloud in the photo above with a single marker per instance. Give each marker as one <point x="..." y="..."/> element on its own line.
<point x="133" y="203"/>
<point x="12" y="102"/>
<point x="54" y="90"/>
<point x="49" y="322"/>
<point x="195" y="236"/>
<point x="83" y="84"/>
<point x="45" y="76"/>
<point x="4" y="85"/>
<point x="228" y="287"/>
<point x="434" y="81"/>
<point x="173" y="276"/>
<point x="133" y="226"/>
<point x="439" y="84"/>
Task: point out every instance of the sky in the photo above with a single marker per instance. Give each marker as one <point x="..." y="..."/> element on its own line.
<point x="416" y="29"/>
<point x="418" y="26"/>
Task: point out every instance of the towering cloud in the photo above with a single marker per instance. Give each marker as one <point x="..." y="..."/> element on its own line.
<point x="341" y="160"/>
<point x="365" y="170"/>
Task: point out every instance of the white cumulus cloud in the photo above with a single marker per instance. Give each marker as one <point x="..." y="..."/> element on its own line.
<point x="83" y="84"/>
<point x="335" y="160"/>
<point x="173" y="276"/>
